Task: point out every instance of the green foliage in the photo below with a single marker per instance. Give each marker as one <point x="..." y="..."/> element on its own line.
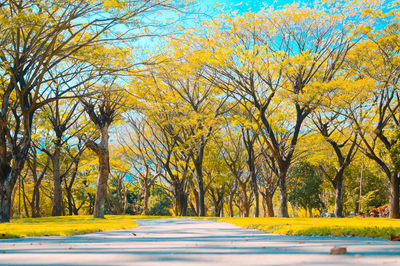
<point x="159" y="203"/>
<point x="306" y="186"/>
<point x="374" y="188"/>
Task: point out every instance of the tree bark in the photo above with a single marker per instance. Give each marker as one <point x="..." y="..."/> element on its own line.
<point x="245" y="201"/>
<point x="35" y="204"/>
<point x="283" y="203"/>
<point x="70" y="203"/>
<point x="249" y="144"/>
<point x="254" y="188"/>
<point x="231" y="213"/>
<point x="181" y="202"/>
<point x="202" y="207"/>
<point x="217" y="197"/>
<point x="394" y="196"/>
<point x="104" y="169"/>
<point x="339" y="196"/>
<point x="125" y="201"/>
<point x="57" y="194"/>
<point x="8" y="177"/>
<point x="146" y="201"/>
<point x="198" y="163"/>
<point x="269" y="205"/>
<point x="5" y="204"/>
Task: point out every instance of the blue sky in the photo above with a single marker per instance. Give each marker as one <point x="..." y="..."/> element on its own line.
<point x="244" y="6"/>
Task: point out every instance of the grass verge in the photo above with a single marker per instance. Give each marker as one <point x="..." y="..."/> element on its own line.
<point x="73" y="225"/>
<point x="368" y="227"/>
<point x="64" y="225"/>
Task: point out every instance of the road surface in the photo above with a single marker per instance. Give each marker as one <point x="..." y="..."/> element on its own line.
<point x="194" y="242"/>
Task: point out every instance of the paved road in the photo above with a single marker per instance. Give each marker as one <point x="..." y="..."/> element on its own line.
<point x="194" y="242"/>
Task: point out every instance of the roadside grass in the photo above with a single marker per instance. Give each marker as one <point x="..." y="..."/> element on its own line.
<point x="363" y="227"/>
<point x="355" y="226"/>
<point x="64" y="225"/>
<point x="83" y="224"/>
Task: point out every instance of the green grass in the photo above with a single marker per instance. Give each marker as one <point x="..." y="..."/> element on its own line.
<point x="370" y="227"/>
<point x="64" y="226"/>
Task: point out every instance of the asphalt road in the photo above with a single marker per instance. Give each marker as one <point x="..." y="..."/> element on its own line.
<point x="194" y="242"/>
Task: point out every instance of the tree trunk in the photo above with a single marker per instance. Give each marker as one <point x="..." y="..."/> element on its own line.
<point x="339" y="197"/>
<point x="283" y="207"/>
<point x="218" y="201"/>
<point x="198" y="165"/>
<point x="245" y="201"/>
<point x="253" y="178"/>
<point x="270" y="206"/>
<point x="199" y="177"/>
<point x="25" y="199"/>
<point x="264" y="207"/>
<point x="220" y="207"/>
<point x="35" y="204"/>
<point x="70" y="203"/>
<point x="256" y="196"/>
<point x="8" y="178"/>
<point x="394" y="196"/>
<point x="221" y="203"/>
<point x="182" y="203"/>
<point x="125" y="201"/>
<point x="5" y="204"/>
<point x="310" y="211"/>
<point x="57" y="194"/>
<point x="104" y="168"/>
<point x="231" y="214"/>
<point x="146" y="200"/>
<point x="202" y="207"/>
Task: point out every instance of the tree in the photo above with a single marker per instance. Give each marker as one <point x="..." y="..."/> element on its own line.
<point x="374" y="110"/>
<point x="306" y="190"/>
<point x="328" y="127"/>
<point x="74" y="154"/>
<point x="268" y="181"/>
<point x="138" y="152"/>
<point x="197" y="105"/>
<point x="162" y="149"/>
<point x="275" y="62"/>
<point x="37" y="176"/>
<point x="102" y="111"/>
<point x="233" y="151"/>
<point x="62" y="116"/>
<point x="40" y="49"/>
<point x="249" y="139"/>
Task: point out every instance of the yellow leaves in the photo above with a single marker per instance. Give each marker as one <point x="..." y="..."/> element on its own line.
<point x="117" y="162"/>
<point x="113" y="4"/>
<point x="371" y="12"/>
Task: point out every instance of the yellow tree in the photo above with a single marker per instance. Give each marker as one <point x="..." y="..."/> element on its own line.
<point x="102" y="112"/>
<point x="121" y="180"/>
<point x="275" y="62"/>
<point x="37" y="39"/>
<point x="375" y="109"/>
<point x="138" y="151"/>
<point x="194" y="105"/>
<point x="343" y="141"/>
<point x="232" y="149"/>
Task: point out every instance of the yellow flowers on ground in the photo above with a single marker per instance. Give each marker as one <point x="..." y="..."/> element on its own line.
<point x="64" y="226"/>
<point x="367" y="227"/>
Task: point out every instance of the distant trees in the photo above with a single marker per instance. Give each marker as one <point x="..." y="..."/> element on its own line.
<point x="306" y="188"/>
